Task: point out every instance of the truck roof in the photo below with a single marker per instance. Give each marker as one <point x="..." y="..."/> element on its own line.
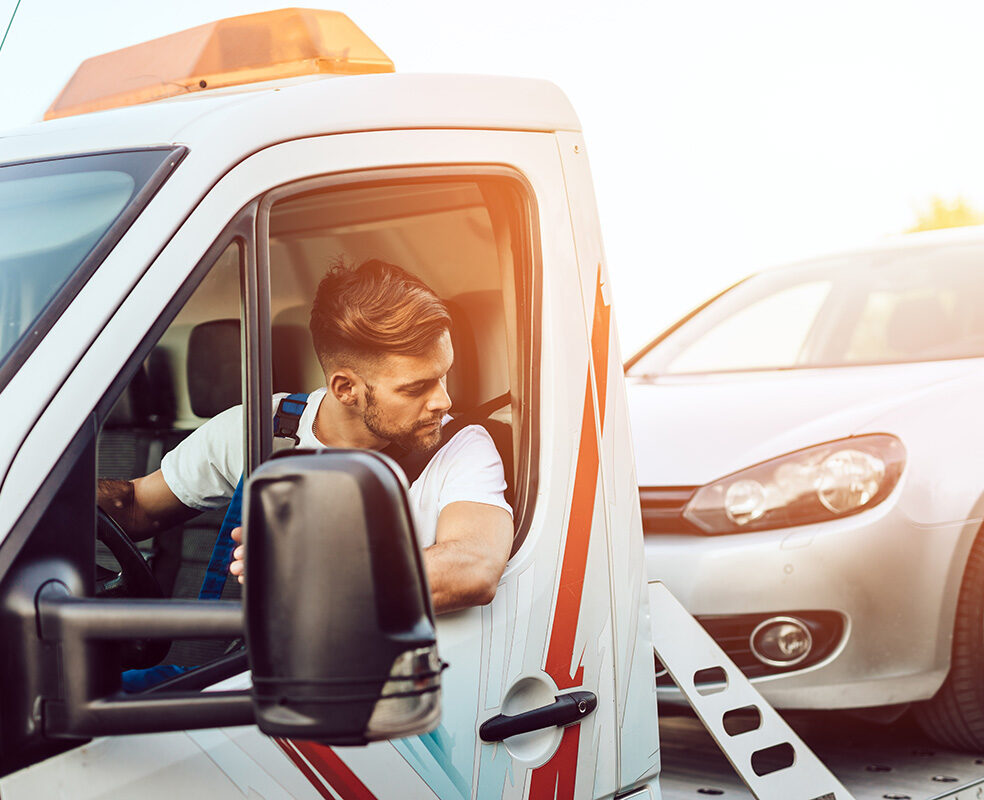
<point x="258" y="115"/>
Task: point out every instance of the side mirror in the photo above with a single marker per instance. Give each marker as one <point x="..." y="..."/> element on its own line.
<point x="339" y="624"/>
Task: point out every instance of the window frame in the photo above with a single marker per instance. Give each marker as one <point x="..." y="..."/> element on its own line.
<point x="527" y="278"/>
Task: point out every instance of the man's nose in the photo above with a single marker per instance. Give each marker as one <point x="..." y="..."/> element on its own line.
<point x="439" y="400"/>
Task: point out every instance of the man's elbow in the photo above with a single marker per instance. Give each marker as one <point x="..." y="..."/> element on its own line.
<point x="484" y="594"/>
<point x="484" y="583"/>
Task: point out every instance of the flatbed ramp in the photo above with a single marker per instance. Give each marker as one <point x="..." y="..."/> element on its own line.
<point x="874" y="762"/>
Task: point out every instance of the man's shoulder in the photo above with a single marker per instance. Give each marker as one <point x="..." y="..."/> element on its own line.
<point x="466" y="431"/>
<point x="473" y="439"/>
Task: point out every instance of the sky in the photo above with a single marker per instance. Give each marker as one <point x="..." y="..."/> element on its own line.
<point x="724" y="137"/>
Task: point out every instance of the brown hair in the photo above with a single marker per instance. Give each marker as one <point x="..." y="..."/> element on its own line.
<point x="374" y="309"/>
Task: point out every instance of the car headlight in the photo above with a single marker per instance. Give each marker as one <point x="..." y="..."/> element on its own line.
<point x="825" y="482"/>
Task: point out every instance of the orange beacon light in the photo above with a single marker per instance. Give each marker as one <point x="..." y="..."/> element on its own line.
<point x="240" y="50"/>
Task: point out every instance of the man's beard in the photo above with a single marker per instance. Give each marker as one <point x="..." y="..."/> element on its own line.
<point x="411" y="438"/>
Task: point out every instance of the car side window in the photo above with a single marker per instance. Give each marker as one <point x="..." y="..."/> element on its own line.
<point x="769" y="333"/>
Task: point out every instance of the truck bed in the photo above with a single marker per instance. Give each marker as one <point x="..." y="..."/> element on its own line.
<point x="874" y="762"/>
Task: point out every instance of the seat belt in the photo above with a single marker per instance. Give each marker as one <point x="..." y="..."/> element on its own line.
<point x="414" y="463"/>
<point x="285" y="424"/>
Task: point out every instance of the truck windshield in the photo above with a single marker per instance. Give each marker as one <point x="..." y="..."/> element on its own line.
<point x="881" y="307"/>
<point x="54" y="214"/>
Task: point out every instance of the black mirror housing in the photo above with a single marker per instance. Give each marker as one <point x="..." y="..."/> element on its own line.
<point x="339" y="624"/>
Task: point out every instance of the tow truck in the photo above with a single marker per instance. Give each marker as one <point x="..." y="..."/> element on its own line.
<point x="162" y="235"/>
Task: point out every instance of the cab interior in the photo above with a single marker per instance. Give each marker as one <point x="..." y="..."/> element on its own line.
<point x="466" y="237"/>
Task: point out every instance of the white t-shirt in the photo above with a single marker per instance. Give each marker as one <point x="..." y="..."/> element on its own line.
<point x="203" y="470"/>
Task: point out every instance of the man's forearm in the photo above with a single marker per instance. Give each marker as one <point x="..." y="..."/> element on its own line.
<point x="465" y="564"/>
<point x="116" y="498"/>
<point x="142" y="507"/>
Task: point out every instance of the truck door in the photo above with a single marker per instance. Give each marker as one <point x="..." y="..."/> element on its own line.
<point x="635" y="706"/>
<point x="482" y="217"/>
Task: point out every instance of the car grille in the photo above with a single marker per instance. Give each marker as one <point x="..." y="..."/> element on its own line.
<point x="662" y="508"/>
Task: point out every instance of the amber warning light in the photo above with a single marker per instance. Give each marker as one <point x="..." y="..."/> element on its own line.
<point x="231" y="52"/>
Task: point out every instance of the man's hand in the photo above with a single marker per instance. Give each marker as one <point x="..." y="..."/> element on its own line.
<point x="238" y="565"/>
<point x="144" y="506"/>
<point x="465" y="563"/>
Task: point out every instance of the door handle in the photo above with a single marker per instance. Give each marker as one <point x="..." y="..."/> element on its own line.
<point x="565" y="710"/>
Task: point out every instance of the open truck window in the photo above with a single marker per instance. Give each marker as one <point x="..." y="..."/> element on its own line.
<point x="462" y="232"/>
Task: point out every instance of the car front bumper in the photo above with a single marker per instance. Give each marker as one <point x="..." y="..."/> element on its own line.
<point x="895" y="583"/>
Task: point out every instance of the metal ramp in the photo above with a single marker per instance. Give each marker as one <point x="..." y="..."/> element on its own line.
<point x="766" y="753"/>
<point x="970" y="791"/>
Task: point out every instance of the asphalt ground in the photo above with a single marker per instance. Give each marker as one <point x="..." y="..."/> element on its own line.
<point x="873" y="761"/>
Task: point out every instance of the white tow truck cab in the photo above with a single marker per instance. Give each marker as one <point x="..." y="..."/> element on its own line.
<point x="157" y="264"/>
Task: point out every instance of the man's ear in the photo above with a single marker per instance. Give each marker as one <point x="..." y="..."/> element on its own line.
<point x="344" y="385"/>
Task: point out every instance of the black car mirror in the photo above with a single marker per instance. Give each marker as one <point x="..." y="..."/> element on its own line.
<point x="339" y="624"/>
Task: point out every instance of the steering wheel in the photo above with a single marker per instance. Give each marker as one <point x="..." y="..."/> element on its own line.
<point x="134" y="579"/>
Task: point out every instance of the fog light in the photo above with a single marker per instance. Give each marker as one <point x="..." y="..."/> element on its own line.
<point x="781" y="641"/>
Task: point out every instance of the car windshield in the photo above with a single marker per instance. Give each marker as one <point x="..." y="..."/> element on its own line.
<point x="891" y="306"/>
<point x="53" y="216"/>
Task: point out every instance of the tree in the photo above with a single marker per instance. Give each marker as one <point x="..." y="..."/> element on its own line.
<point x="942" y="214"/>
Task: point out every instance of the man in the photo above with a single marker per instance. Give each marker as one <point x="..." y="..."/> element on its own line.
<point x="383" y="340"/>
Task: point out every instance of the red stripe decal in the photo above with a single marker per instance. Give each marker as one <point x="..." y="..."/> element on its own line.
<point x="330" y="767"/>
<point x="301" y="764"/>
<point x="555" y="779"/>
<point x="568" y="608"/>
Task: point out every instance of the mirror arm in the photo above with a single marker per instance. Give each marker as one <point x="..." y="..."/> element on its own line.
<point x="88" y="702"/>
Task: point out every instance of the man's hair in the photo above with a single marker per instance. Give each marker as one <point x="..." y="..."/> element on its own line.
<point x="374" y="309"/>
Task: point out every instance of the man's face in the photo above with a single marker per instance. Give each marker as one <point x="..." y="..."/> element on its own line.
<point x="406" y="396"/>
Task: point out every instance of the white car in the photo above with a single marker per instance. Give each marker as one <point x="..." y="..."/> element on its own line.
<point x="810" y="455"/>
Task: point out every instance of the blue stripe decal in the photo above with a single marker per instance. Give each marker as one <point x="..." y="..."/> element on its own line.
<point x="430" y="757"/>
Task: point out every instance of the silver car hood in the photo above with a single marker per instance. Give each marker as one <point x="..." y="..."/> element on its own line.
<point x="689" y="430"/>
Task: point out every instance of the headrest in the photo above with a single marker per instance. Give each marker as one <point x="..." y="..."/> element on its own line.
<point x="294" y="361"/>
<point x="149" y="400"/>
<point x="463" y="377"/>
<point x="214" y="367"/>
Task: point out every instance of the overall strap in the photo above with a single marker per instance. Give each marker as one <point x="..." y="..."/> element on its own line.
<point x="288" y="417"/>
<point x="414" y="464"/>
<point x="285" y="425"/>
